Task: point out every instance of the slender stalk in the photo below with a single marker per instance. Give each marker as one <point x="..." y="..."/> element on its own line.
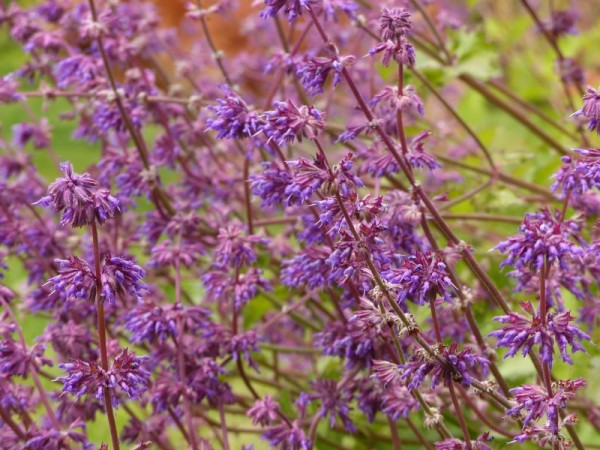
<point x="395" y="436"/>
<point x="424" y="442"/>
<point x="8" y="420"/>
<point x="224" y="427"/>
<point x="114" y="435"/>
<point x="459" y="414"/>
<point x="187" y="409"/>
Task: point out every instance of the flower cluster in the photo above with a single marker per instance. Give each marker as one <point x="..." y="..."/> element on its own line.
<point x="521" y="334"/>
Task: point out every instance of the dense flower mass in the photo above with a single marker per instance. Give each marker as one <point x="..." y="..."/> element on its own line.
<point x="421" y="277"/>
<point x="544" y="237"/>
<point x="267" y="225"/>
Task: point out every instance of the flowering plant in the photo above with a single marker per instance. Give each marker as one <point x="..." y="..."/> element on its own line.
<point x="283" y="242"/>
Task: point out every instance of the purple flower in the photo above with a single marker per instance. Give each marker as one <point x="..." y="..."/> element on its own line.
<point x="51" y="10"/>
<point x="581" y="174"/>
<point x="9" y="90"/>
<point x="457" y="367"/>
<point x="315" y="70"/>
<point x="522" y="333"/>
<point x="542" y="236"/>
<point x="70" y="340"/>
<point x="405" y="102"/>
<point x="357" y="341"/>
<point x="79" y="199"/>
<point x="149" y="322"/>
<point x="334" y="402"/>
<point x="121" y="276"/>
<point x="270" y="184"/>
<point x="421" y="276"/>
<point x="561" y="22"/>
<point x="330" y="8"/>
<point x="232" y="118"/>
<point x="457" y="444"/>
<point x="264" y="411"/>
<point x="591" y="109"/>
<point x="242" y="344"/>
<point x="169" y="253"/>
<point x="25" y="132"/>
<point x="570" y="71"/>
<point x="18" y="361"/>
<point x="397" y="402"/>
<point x="75" y="279"/>
<point x="308" y="177"/>
<point x="56" y="439"/>
<point x="400" y="51"/>
<point x="76" y="70"/>
<point x="292" y="8"/>
<point x="394" y="23"/>
<point x="308" y="267"/>
<point x="285" y="437"/>
<point x="221" y="285"/>
<point x="235" y="246"/>
<point x="126" y="374"/>
<point x="537" y="402"/>
<point x="287" y="122"/>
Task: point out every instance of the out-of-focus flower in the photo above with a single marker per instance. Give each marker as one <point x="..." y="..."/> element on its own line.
<point x="264" y="411"/>
<point x="591" y="109"/>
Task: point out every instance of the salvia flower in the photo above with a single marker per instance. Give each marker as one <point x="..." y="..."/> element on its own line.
<point x="394" y="23"/>
<point x="18" y="361"/>
<point x="121" y="276"/>
<point x="264" y="411"/>
<point x="314" y="72"/>
<point x="334" y="402"/>
<point x="149" y="322"/>
<point x="287" y="122"/>
<point x="398" y="402"/>
<point x="270" y="184"/>
<point x="400" y="51"/>
<point x="56" y="439"/>
<point x="233" y="118"/>
<point x="522" y="333"/>
<point x="75" y="278"/>
<point x="286" y="438"/>
<point x="9" y="90"/>
<point x="292" y="8"/>
<point x="406" y="101"/>
<point x="457" y="366"/>
<point x="457" y="444"/>
<point x="79" y="199"/>
<point x="561" y="22"/>
<point x="421" y="276"/>
<point x="235" y="246"/>
<point x="537" y="402"/>
<point x="591" y="109"/>
<point x="543" y="236"/>
<point x="581" y="174"/>
<point x="126" y="374"/>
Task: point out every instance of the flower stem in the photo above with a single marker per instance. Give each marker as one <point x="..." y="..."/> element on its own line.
<point x="459" y="414"/>
<point x="102" y="339"/>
